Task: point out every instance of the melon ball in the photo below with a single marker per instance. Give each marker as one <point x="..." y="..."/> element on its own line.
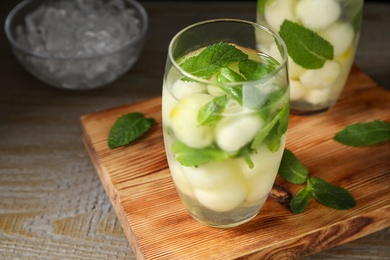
<point x="181" y="89"/>
<point x="317" y="14"/>
<point x="340" y="35"/>
<point x="233" y="132"/>
<point x="317" y="96"/>
<point x="210" y="175"/>
<point x="297" y="90"/>
<point x="169" y="102"/>
<point x="224" y="198"/>
<point x="262" y="176"/>
<point x="184" y="121"/>
<point x="277" y="11"/>
<point x="294" y="70"/>
<point x="179" y="178"/>
<point x="323" y="77"/>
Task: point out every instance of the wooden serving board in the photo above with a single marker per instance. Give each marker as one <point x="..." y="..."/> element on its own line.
<point x="138" y="183"/>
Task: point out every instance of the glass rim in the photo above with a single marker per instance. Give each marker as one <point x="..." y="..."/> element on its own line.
<point x="206" y="81"/>
<point x="140" y="10"/>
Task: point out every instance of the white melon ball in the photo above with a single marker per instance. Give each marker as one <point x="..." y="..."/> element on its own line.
<point x="323" y="77"/>
<point x="317" y="14"/>
<point x="262" y="176"/>
<point x="340" y="35"/>
<point x="294" y="70"/>
<point x="210" y="175"/>
<point x="297" y="90"/>
<point x="317" y="96"/>
<point x="181" y="89"/>
<point x="224" y="198"/>
<point x="179" y="178"/>
<point x="168" y="103"/>
<point x="277" y="11"/>
<point x="233" y="132"/>
<point x="184" y="121"/>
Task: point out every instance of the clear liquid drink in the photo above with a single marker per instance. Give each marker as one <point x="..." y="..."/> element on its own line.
<point x="225" y="114"/>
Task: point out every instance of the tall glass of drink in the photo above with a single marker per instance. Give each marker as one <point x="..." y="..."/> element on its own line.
<point x="225" y="114"/>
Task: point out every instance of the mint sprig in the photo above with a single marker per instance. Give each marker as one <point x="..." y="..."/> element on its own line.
<point x="188" y="156"/>
<point x="301" y="200"/>
<point x="212" y="58"/>
<point x="127" y="128"/>
<point x="273" y="131"/>
<point x="331" y="195"/>
<point x="291" y="169"/>
<point x="211" y="112"/>
<point x="363" y="134"/>
<point x="325" y="193"/>
<point x="305" y="46"/>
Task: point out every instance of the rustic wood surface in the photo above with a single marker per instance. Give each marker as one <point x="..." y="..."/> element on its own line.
<point x="138" y="183"/>
<point x="52" y="203"/>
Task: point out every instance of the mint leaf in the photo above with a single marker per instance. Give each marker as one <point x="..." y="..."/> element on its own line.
<point x="277" y="124"/>
<point x="301" y="200"/>
<point x="363" y="134"/>
<point x="245" y="153"/>
<point x="291" y="169"/>
<point x="261" y="6"/>
<point x="212" y="58"/>
<point x="188" y="156"/>
<point x="211" y="112"/>
<point x="330" y="195"/>
<point x="227" y="75"/>
<point x="254" y="70"/>
<point x="127" y="128"/>
<point x="304" y="46"/>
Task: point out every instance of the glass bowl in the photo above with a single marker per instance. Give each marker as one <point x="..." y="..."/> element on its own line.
<point x="77" y="45"/>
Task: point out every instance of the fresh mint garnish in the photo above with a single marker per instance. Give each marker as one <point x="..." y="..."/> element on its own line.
<point x="228" y="75"/>
<point x="253" y="70"/>
<point x="212" y="58"/>
<point x="291" y="169"/>
<point x="273" y="130"/>
<point x="301" y="200"/>
<point x="188" y="156"/>
<point x="211" y="112"/>
<point x="127" y="128"/>
<point x="304" y="46"/>
<point x="363" y="134"/>
<point x="330" y="195"/>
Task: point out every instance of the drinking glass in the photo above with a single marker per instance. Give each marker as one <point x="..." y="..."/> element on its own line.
<point x="321" y="37"/>
<point x="225" y="109"/>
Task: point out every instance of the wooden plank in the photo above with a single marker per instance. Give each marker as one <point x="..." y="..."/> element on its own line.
<point x="137" y="180"/>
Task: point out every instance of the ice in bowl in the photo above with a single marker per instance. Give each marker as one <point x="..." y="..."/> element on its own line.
<point x="77" y="45"/>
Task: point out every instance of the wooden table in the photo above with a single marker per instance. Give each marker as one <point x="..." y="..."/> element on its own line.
<point x="52" y="203"/>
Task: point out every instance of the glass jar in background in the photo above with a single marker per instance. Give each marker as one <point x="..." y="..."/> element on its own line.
<point x="321" y="38"/>
<point x="225" y="109"/>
